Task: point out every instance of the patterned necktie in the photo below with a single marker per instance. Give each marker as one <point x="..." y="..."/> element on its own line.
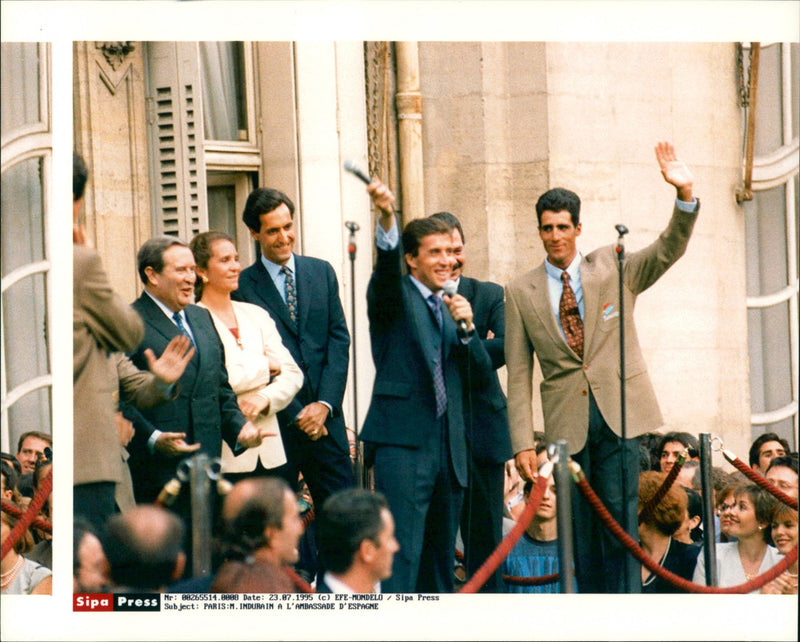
<point x="439" y="388"/>
<point x="291" y="293"/>
<point x="179" y="322"/>
<point x="571" y="317"/>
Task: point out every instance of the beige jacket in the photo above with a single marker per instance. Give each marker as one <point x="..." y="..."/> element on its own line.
<point x="531" y="327"/>
<point x="248" y="371"/>
<point x="102" y="323"/>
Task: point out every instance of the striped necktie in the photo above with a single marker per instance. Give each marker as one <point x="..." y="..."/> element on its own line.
<point x="439" y="387"/>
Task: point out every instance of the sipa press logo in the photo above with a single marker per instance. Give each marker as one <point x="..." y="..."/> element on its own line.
<point x="116" y="602"/>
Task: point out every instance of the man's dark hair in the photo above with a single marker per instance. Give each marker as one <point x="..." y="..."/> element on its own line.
<point x="261" y="201"/>
<point x="787" y="461"/>
<point x="760" y="441"/>
<point x="243" y="533"/>
<point x="151" y="254"/>
<point x="348" y="517"/>
<point x="452" y="222"/>
<point x="33" y="433"/>
<point x="558" y="199"/>
<point x="79" y="176"/>
<point x="688" y="441"/>
<point x="80" y="528"/>
<point x="418" y="229"/>
<point x="143" y="558"/>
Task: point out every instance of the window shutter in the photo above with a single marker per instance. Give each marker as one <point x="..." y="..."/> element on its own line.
<point x="175" y="129"/>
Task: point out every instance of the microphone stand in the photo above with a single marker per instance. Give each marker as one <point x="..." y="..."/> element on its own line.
<point x="620" y="250"/>
<point x="360" y="468"/>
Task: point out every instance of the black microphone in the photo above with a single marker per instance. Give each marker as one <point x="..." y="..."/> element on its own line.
<point x="621" y="229"/>
<point x="450" y="287"/>
<point x="351" y="167"/>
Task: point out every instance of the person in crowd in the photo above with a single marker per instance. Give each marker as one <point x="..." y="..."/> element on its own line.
<point x="648" y="457"/>
<point x="8" y="478"/>
<point x="536" y="553"/>
<point x="90" y="568"/>
<point x="261" y="370"/>
<point x="764" y="448"/>
<point x="750" y="555"/>
<point x="19" y="575"/>
<point x="691" y="529"/>
<point x="725" y="505"/>
<point x="262" y="528"/>
<point x="42" y="551"/>
<point x="144" y="549"/>
<point x="205" y="410"/>
<point x="784" y="534"/>
<point x="672" y="445"/>
<point x="782" y="472"/>
<point x="485" y="418"/>
<point x="30" y="448"/>
<point x="657" y="532"/>
<point x="356" y="542"/>
<point x="301" y="294"/>
<point x="689" y="475"/>
<point x="414" y="429"/>
<point x="546" y="310"/>
<point x="102" y="323"/>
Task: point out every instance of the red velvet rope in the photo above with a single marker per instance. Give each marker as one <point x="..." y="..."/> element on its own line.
<point x="45" y="488"/>
<point x="501" y="552"/>
<point x="541" y="580"/>
<point x="14" y="511"/>
<point x="652" y="565"/>
<point x="647" y="509"/>
<point x="762" y="482"/>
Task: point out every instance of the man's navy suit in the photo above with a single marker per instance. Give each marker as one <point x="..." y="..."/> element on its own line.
<point x="487" y="434"/>
<point x="319" y="344"/>
<point x="420" y="460"/>
<point x="205" y="408"/>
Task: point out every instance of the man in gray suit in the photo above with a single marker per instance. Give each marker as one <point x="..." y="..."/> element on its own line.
<point x="567" y="312"/>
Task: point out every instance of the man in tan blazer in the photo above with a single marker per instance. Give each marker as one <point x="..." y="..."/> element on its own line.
<point x="102" y="323"/>
<point x="581" y="388"/>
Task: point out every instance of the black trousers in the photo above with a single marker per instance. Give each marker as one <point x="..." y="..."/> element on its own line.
<point x="601" y="562"/>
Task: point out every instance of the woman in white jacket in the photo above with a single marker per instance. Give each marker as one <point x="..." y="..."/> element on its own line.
<point x="261" y="371"/>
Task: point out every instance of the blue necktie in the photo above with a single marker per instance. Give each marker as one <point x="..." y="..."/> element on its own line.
<point x="179" y="322"/>
<point x="439" y="387"/>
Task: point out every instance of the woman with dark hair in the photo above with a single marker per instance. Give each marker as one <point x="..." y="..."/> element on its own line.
<point x="750" y="555"/>
<point x="260" y="369"/>
<point x="784" y="534"/>
<point x="656" y="532"/>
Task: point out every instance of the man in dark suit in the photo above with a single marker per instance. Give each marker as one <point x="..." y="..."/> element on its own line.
<point x="356" y="542"/>
<point x="414" y="428"/>
<point x="486" y="420"/>
<point x="205" y="410"/>
<point x="302" y="296"/>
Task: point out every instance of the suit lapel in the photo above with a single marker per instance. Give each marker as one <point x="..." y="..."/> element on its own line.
<point x="421" y="315"/>
<point x="304" y="282"/>
<point x="591" y="303"/>
<point x="265" y="289"/>
<point x="540" y="301"/>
